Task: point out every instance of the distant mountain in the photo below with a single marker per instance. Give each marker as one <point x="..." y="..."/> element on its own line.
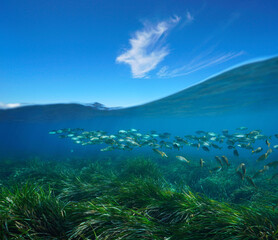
<point x="251" y="87"/>
<point x="55" y="112"/>
<point x="100" y="106"/>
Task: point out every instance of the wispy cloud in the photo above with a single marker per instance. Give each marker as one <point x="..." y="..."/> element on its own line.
<point x="147" y="48"/>
<point x="198" y="63"/>
<point x="189" y="17"/>
<point x="9" y="105"/>
<point x="207" y="53"/>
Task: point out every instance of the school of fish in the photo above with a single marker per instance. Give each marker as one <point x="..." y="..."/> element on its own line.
<point x="202" y="140"/>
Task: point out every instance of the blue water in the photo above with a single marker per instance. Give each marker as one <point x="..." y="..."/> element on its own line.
<point x="245" y="96"/>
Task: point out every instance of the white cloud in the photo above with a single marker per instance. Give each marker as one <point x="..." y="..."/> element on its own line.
<point x="9" y="105"/>
<point x="147" y="50"/>
<point x="198" y="63"/>
<point x="163" y="71"/>
<point x="189" y="17"/>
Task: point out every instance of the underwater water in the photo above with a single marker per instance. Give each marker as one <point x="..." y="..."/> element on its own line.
<point x="199" y="164"/>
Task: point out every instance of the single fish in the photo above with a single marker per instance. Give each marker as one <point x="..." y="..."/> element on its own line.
<point x="242" y="128"/>
<point x="109" y="148"/>
<point x="162" y="154"/>
<point x="215" y="146"/>
<point x="216" y="169"/>
<point x="275" y="146"/>
<point x="200" y="132"/>
<point x="250" y="181"/>
<point x="225" y="160"/>
<point x="165" y="135"/>
<point x="230" y="142"/>
<point x="241" y="168"/>
<point x="202" y="162"/>
<point x="236" y="153"/>
<point x="155" y="135"/>
<point x="218" y="159"/>
<point x="109" y="141"/>
<point x="267" y="142"/>
<point x="239" y="135"/>
<point x="212" y="134"/>
<point x="269" y="151"/>
<point x="122" y="132"/>
<point x="181" y="158"/>
<point x="259" y="149"/>
<point x="134" y="143"/>
<point x="263" y="157"/>
<point x="176" y="145"/>
<point x="52" y="132"/>
<point x="205" y="148"/>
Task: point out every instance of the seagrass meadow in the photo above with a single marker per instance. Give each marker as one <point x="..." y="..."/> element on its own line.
<point x="131" y="198"/>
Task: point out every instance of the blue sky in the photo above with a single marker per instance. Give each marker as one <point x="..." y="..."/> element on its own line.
<point x="124" y="53"/>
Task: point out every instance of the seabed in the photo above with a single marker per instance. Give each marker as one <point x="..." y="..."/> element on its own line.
<point x="141" y="197"/>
